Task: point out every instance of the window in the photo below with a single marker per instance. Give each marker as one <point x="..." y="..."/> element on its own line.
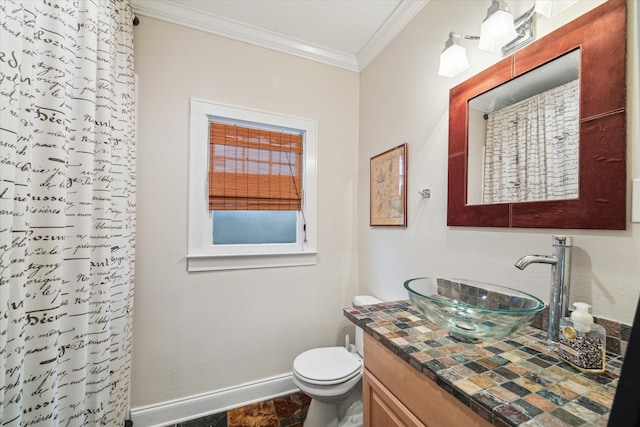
<point x="252" y="189"/>
<point x="255" y="182"/>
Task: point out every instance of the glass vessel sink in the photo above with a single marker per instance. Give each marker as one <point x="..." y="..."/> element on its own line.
<point x="471" y="311"/>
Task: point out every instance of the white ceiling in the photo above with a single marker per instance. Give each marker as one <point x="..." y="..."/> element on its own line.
<point x="342" y="33"/>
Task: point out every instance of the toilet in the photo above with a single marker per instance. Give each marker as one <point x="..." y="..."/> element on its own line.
<point x="332" y="377"/>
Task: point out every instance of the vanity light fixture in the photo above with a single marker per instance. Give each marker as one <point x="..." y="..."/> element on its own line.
<point x="498" y="28"/>
<point x="453" y="59"/>
<point x="553" y="7"/>
<point x="499" y="31"/>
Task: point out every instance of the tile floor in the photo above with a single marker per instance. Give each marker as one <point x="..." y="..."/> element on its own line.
<point x="285" y="411"/>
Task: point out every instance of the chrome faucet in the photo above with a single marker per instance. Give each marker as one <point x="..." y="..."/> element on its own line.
<point x="560" y="262"/>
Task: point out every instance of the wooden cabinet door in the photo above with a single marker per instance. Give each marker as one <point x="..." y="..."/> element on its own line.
<point x="383" y="409"/>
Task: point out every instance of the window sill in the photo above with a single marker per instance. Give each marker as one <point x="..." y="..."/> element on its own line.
<point x="247" y="261"/>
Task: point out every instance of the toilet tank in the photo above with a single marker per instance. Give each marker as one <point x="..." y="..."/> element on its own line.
<point x="360" y="300"/>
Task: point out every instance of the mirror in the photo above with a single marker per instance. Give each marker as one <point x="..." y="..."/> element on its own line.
<point x="596" y="199"/>
<point x="524" y="136"/>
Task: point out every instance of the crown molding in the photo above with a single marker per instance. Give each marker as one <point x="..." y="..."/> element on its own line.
<point x="401" y="16"/>
<point x="169" y="11"/>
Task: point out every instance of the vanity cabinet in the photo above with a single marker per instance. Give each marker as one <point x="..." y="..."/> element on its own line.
<point x="397" y="394"/>
<point x="382" y="408"/>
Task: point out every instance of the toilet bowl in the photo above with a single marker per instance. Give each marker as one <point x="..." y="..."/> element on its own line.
<point x="332" y="377"/>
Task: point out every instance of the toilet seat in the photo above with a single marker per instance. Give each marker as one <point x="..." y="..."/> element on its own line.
<point x="327" y="365"/>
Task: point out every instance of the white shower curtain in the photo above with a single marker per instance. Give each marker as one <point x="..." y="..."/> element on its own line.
<point x="531" y="150"/>
<point x="67" y="211"/>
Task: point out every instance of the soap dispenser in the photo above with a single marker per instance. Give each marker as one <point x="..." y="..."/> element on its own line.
<point x="582" y="342"/>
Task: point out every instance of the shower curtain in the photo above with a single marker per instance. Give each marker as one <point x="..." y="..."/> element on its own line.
<point x="67" y="211"/>
<point x="531" y="150"/>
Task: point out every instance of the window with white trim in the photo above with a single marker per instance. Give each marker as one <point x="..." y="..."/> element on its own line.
<point x="252" y="189"/>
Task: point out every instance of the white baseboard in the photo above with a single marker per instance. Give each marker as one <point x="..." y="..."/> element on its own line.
<point x="175" y="411"/>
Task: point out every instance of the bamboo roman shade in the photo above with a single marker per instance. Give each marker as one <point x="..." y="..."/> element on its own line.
<point x="254" y="169"/>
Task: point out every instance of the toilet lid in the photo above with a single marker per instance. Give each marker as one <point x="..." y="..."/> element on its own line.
<point x="327" y="365"/>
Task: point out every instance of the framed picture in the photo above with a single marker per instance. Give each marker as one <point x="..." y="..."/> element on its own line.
<point x="388" y="188"/>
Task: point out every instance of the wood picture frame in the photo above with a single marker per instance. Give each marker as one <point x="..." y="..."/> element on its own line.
<point x="388" y="188"/>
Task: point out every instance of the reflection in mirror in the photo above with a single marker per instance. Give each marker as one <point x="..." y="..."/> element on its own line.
<point x="523" y="136"/>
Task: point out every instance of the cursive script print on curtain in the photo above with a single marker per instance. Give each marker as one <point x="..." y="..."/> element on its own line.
<point x="532" y="148"/>
<point x="67" y="211"/>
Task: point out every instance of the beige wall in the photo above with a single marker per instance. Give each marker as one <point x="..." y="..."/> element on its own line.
<point x="196" y="333"/>
<point x="402" y="99"/>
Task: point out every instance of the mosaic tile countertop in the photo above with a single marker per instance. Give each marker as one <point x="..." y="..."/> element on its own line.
<point x="515" y="381"/>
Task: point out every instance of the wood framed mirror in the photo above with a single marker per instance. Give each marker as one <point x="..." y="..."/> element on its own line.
<point x="600" y="38"/>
